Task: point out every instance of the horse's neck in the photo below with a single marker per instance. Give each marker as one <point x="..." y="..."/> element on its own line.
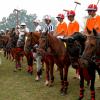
<point x="56" y="45"/>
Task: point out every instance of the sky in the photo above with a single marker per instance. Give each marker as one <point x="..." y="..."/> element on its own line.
<point x="44" y="7"/>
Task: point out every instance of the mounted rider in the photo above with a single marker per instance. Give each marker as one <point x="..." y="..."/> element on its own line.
<point x="93" y="22"/>
<point x="22" y="33"/>
<point x="2" y="32"/>
<point x="48" y="25"/>
<point x="37" y="25"/>
<point x="37" y="56"/>
<point x="73" y="25"/>
<point x="61" y="28"/>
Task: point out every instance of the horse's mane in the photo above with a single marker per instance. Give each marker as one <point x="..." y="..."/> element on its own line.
<point x="79" y="37"/>
<point x="55" y="44"/>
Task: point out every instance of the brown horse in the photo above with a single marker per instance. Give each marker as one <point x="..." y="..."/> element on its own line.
<point x="32" y="40"/>
<point x="89" y="62"/>
<point x="3" y="41"/>
<point x="11" y="45"/>
<point x="49" y="43"/>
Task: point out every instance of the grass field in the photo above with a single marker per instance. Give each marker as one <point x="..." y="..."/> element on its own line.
<point x="22" y="86"/>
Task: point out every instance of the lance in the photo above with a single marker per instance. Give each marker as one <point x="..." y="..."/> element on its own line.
<point x="98" y="2"/>
<point x="17" y="21"/>
<point x="77" y="3"/>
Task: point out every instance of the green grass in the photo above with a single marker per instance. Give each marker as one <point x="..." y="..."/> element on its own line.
<point x="22" y="86"/>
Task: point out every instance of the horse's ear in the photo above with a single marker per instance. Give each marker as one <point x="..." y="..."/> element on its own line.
<point x="94" y="32"/>
<point x="88" y="31"/>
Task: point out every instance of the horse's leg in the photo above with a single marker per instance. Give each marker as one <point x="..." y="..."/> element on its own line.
<point x="18" y="59"/>
<point x="17" y="63"/>
<point x="51" y="73"/>
<point x="92" y="88"/>
<point x="62" y="80"/>
<point x="81" y="84"/>
<point x="39" y="67"/>
<point x="65" y="79"/>
<point x="29" y="57"/>
<point x="47" y="73"/>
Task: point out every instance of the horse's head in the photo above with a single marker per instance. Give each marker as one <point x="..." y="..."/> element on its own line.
<point x="31" y="39"/>
<point x="92" y="45"/>
<point x="75" y="47"/>
<point x="43" y="41"/>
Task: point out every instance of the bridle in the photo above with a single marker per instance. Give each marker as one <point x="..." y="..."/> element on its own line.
<point x="46" y="42"/>
<point x="93" y="56"/>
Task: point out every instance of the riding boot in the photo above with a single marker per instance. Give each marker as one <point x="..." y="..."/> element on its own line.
<point x="92" y="95"/>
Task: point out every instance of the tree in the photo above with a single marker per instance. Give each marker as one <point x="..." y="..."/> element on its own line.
<point x="11" y="20"/>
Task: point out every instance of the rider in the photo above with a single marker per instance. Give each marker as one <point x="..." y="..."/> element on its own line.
<point x="37" y="55"/>
<point x="61" y="29"/>
<point x="2" y="32"/>
<point x="37" y="25"/>
<point x="73" y="25"/>
<point x="48" y="25"/>
<point x="22" y="32"/>
<point x="93" y="22"/>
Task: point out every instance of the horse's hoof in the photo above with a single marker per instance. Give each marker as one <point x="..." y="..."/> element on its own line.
<point x="19" y="69"/>
<point x="46" y="83"/>
<point x="51" y="84"/>
<point x="15" y="70"/>
<point x="37" y="78"/>
<point x="62" y="93"/>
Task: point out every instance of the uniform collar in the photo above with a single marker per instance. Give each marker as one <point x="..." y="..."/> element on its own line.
<point x="62" y="22"/>
<point x="72" y="21"/>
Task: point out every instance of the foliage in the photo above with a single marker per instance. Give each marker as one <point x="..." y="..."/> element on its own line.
<point x="11" y="21"/>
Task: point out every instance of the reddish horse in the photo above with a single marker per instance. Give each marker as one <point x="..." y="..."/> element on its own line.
<point x="89" y="62"/>
<point x="47" y="42"/>
<point x="32" y="39"/>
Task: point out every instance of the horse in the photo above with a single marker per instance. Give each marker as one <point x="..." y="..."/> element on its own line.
<point x="31" y="41"/>
<point x="11" y="45"/>
<point x="3" y="42"/>
<point x="48" y="42"/>
<point x="89" y="63"/>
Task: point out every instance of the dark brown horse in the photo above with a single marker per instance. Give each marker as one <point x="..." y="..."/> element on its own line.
<point x="3" y="41"/>
<point x="89" y="63"/>
<point x="11" y="45"/>
<point x="49" y="43"/>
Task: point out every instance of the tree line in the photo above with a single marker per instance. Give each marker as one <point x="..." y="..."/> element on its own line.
<point x="23" y="16"/>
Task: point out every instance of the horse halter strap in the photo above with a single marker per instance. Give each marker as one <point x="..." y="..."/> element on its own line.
<point x="47" y="42"/>
<point x="94" y="57"/>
